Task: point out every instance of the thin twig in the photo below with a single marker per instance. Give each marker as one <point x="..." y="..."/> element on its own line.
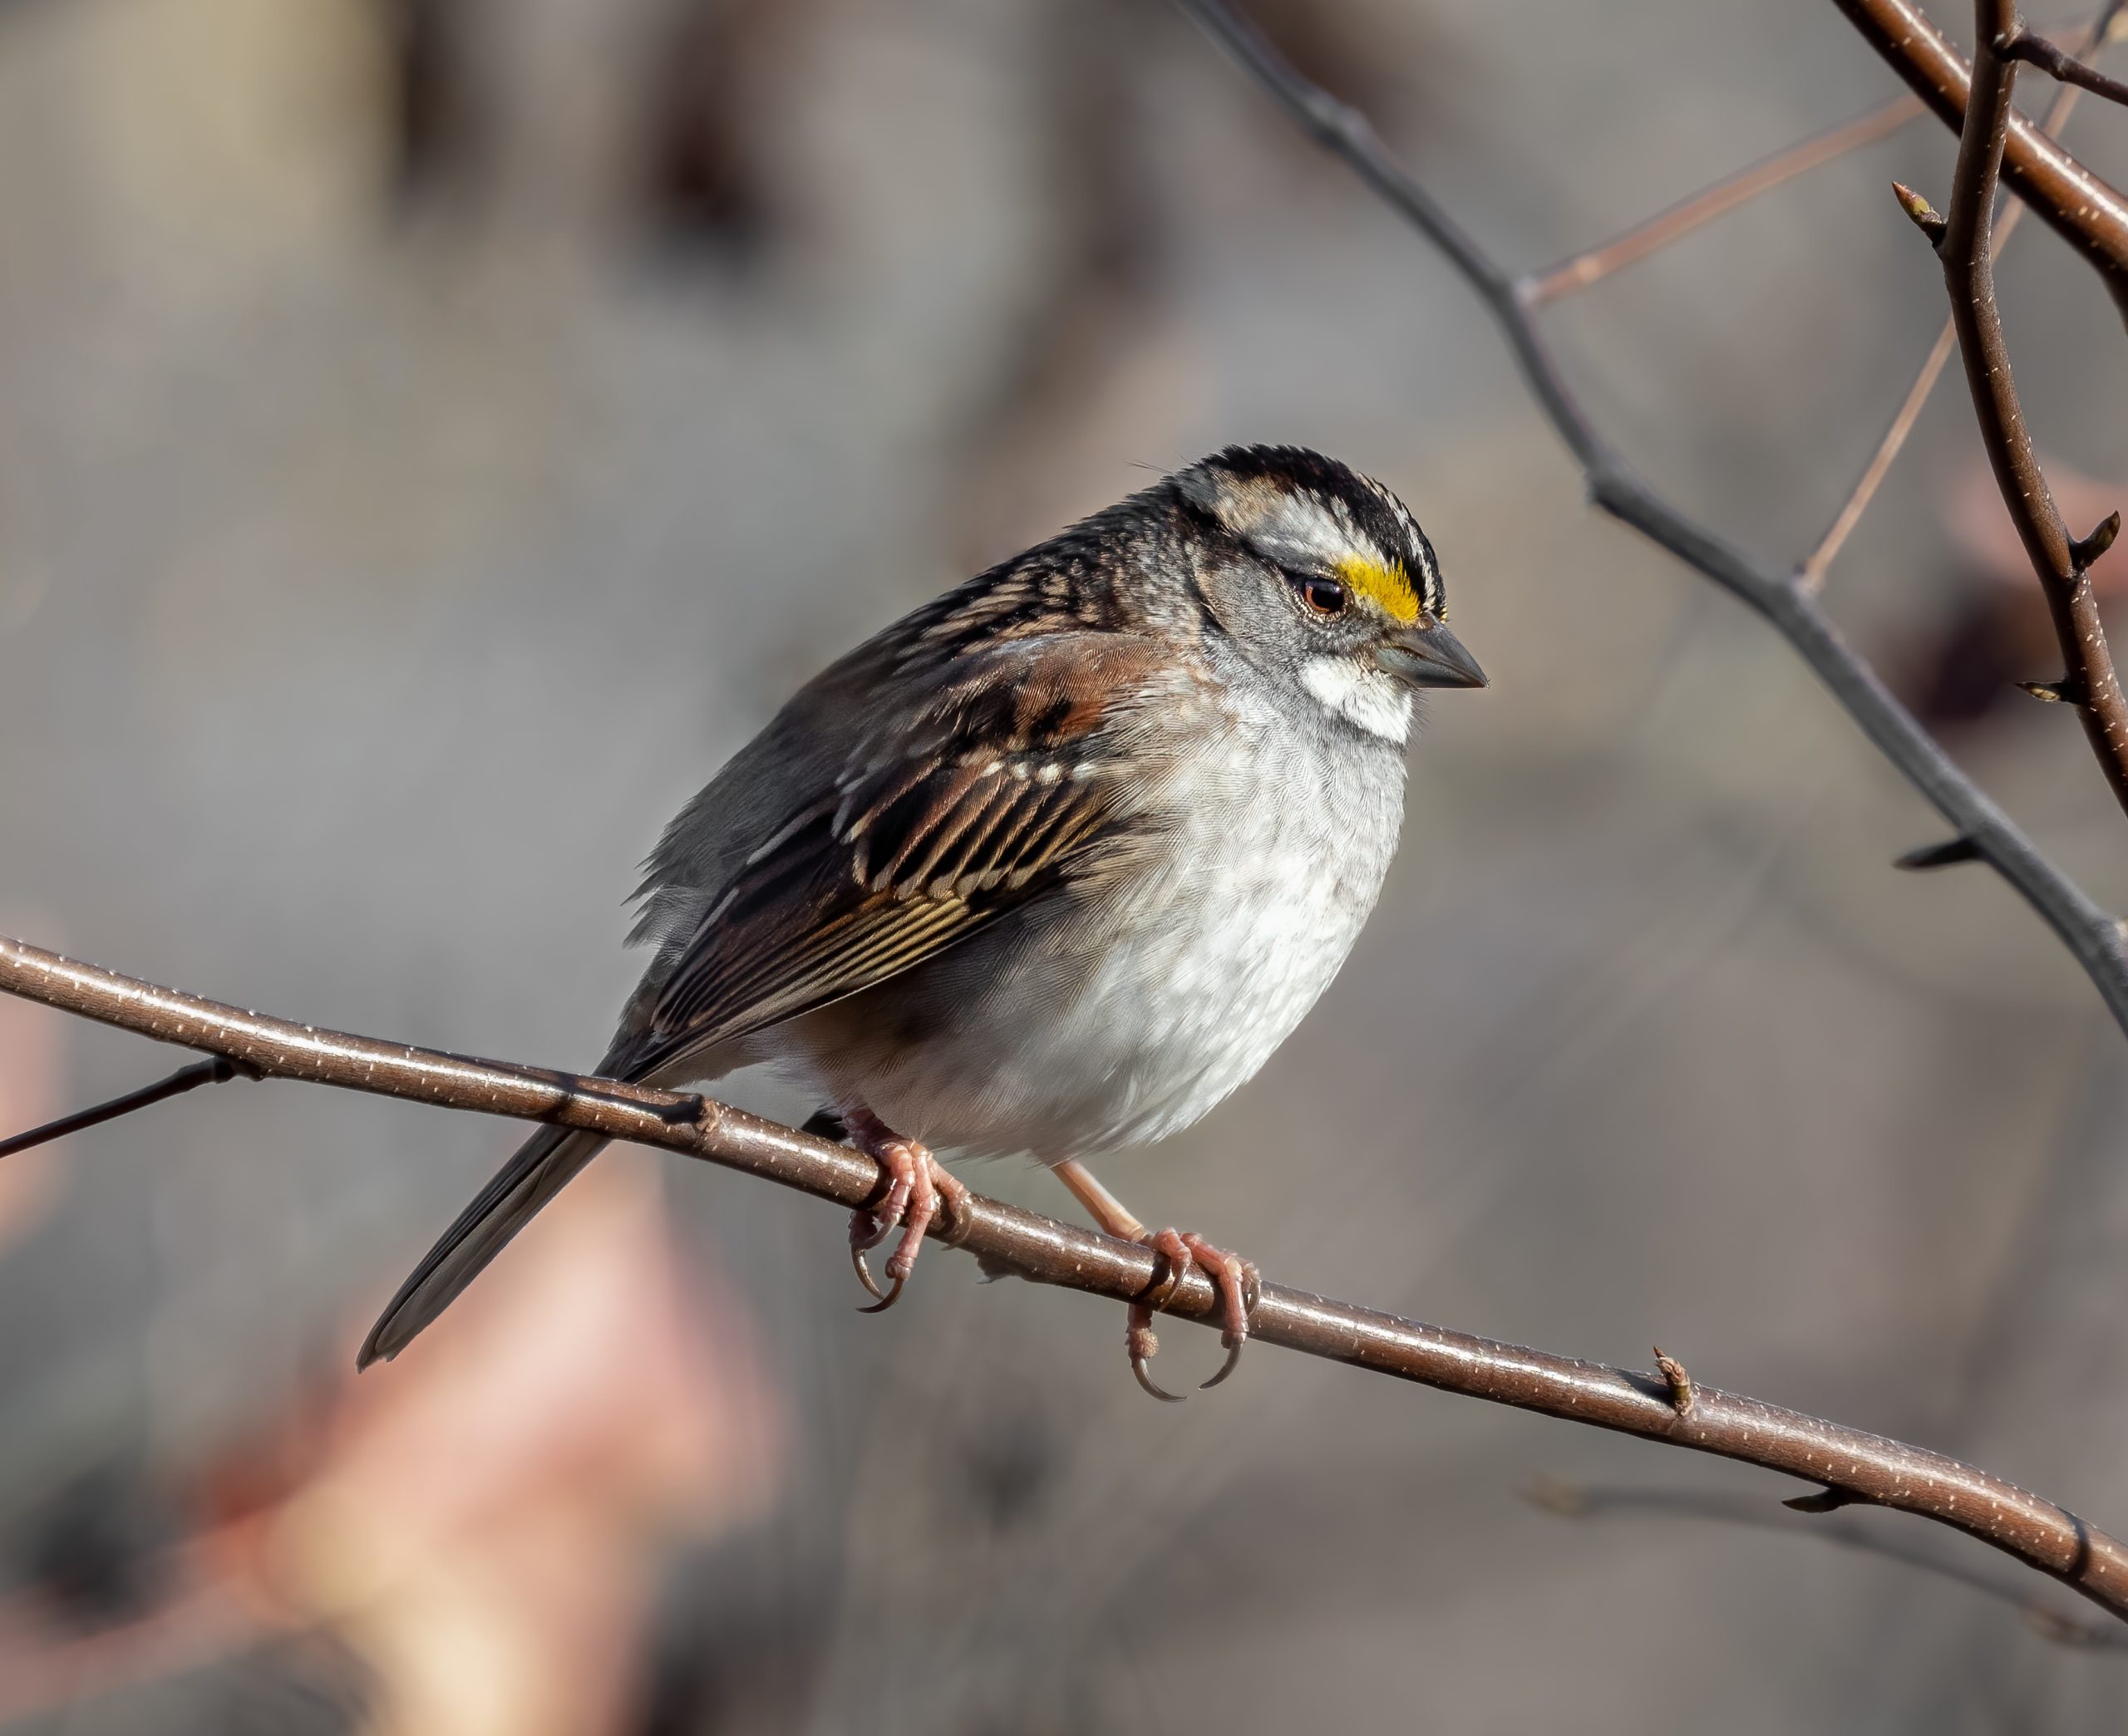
<point x="186" y="1079"/>
<point x="1865" y="491"/>
<point x="2093" y="938"/>
<point x="1966" y="251"/>
<point x="1579" y="1501"/>
<point x="1812" y="573"/>
<point x="1657" y="232"/>
<point x="1594" y="264"/>
<point x="2090" y="215"/>
<point x="2057" y="63"/>
<point x="1864" y="1467"/>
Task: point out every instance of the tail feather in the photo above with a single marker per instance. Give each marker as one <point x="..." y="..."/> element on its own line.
<point x="542" y="1166"/>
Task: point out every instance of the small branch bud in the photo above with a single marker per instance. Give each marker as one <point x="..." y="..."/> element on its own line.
<point x="1682" y="1397"/>
<point x="1827" y="1500"/>
<point x="1925" y="216"/>
<point x="2067" y="691"/>
<point x="2087" y="549"/>
<point x="1947" y="855"/>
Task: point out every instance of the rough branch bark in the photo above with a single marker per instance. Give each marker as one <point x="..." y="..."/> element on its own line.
<point x="1856" y="1465"/>
<point x="1963" y="242"/>
<point x="2093" y="936"/>
<point x="2090" y="215"/>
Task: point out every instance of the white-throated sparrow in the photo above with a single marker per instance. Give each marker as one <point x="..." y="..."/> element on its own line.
<point x="1049" y="866"/>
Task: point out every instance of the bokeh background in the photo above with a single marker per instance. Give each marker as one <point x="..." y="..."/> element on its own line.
<point x="433" y="433"/>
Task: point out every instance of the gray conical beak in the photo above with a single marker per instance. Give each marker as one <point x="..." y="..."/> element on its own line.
<point x="1427" y="655"/>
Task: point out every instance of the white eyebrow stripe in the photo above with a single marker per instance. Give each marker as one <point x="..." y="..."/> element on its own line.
<point x="1308" y="525"/>
<point x="1297" y="527"/>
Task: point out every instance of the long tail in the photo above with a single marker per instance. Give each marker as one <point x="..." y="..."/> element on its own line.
<point x="544" y="1165"/>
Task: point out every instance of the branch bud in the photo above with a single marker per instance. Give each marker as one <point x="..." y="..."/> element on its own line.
<point x="2085" y="550"/>
<point x="1684" y="1397"/>
<point x="1827" y="1500"/>
<point x="1947" y="855"/>
<point x="1925" y="216"/>
<point x="2067" y="691"/>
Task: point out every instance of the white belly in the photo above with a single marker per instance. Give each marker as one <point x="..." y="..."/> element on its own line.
<point x="1121" y="1036"/>
<point x="1236" y="949"/>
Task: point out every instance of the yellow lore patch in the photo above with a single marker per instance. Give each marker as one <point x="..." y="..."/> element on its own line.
<point x="1389" y="587"/>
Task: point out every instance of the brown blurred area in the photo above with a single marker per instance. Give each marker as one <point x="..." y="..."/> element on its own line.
<point x="433" y="433"/>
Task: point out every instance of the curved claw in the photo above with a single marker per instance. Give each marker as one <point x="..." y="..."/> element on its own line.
<point x="1139" y="1341"/>
<point x="1233" y="1280"/>
<point x="913" y="1185"/>
<point x="1234" y="1348"/>
<point x="886" y="1301"/>
<point x="865" y="1273"/>
<point x="1145" y="1379"/>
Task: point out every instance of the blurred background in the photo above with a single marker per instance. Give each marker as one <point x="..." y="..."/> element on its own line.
<point x="435" y="433"/>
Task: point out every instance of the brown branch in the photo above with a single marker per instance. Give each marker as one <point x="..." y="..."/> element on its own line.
<point x="2093" y="936"/>
<point x="1967" y="250"/>
<point x="1579" y="1501"/>
<point x="2090" y="215"/>
<point x="1863" y="1466"/>
<point x="1865" y="491"/>
<point x="1711" y="201"/>
<point x="2058" y="63"/>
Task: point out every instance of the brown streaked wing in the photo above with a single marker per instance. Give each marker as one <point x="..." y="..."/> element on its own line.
<point x="981" y="804"/>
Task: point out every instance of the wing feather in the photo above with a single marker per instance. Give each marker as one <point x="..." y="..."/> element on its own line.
<point x="989" y="796"/>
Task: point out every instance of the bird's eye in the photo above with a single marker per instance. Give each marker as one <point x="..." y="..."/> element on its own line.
<point x="1323" y="596"/>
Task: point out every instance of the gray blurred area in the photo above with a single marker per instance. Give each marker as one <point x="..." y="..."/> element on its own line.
<point x="433" y="433"/>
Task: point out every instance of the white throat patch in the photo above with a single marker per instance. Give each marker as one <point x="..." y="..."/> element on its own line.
<point x="1370" y="698"/>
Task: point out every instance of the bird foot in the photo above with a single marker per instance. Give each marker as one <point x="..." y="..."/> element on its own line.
<point x="1234" y="1278"/>
<point x="918" y="1187"/>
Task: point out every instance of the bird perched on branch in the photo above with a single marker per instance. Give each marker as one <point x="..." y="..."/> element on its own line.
<point x="1049" y="866"/>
